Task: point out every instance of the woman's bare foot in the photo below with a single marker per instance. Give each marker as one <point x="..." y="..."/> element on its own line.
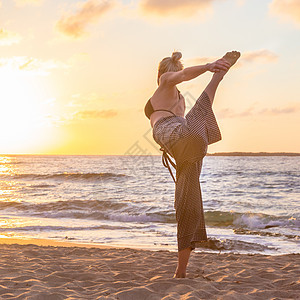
<point x="232" y="58"/>
<point x="179" y="275"/>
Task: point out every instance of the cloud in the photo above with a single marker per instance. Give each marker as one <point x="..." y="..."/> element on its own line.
<point x="280" y="111"/>
<point x="73" y="25"/>
<point x="31" y="65"/>
<point x="28" y="2"/>
<point x="76" y="117"/>
<point x="8" y="38"/>
<point x="182" y="8"/>
<point x="257" y="56"/>
<point x="229" y="113"/>
<point x="262" y="55"/>
<point x="286" y="9"/>
<point x="251" y="111"/>
<point x="96" y="114"/>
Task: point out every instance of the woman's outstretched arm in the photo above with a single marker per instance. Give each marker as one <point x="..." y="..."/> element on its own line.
<point x="173" y="78"/>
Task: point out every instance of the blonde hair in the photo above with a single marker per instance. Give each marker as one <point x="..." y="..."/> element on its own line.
<point x="171" y="64"/>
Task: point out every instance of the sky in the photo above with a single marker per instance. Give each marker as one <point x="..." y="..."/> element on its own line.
<point x="75" y="75"/>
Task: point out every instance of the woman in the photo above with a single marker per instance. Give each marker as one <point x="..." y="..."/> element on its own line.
<point x="186" y="140"/>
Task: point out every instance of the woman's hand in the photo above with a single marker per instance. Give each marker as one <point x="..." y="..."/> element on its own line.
<point x="219" y="65"/>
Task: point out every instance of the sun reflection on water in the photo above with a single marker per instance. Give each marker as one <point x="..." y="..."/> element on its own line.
<point x="7" y="169"/>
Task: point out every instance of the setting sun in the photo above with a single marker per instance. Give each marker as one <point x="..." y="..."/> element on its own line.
<point x="24" y="110"/>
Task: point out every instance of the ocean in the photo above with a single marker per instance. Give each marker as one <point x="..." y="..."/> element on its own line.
<point x="251" y="204"/>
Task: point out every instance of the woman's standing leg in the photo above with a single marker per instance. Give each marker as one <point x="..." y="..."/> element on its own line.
<point x="189" y="213"/>
<point x="183" y="259"/>
<point x="188" y="200"/>
<point x="204" y="130"/>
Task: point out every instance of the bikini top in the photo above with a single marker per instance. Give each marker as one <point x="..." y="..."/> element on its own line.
<point x="149" y="108"/>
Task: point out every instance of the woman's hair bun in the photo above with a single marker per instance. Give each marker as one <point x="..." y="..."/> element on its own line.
<point x="170" y="64"/>
<point x="176" y="56"/>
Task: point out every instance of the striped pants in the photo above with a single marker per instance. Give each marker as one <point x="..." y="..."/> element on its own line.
<point x="186" y="140"/>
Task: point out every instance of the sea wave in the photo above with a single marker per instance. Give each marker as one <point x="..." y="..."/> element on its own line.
<point x="86" y="209"/>
<point x="63" y="206"/>
<point x="248" y="220"/>
<point x="62" y="228"/>
<point x="271" y="174"/>
<point x="266" y="233"/>
<point x="232" y="245"/>
<point x="11" y="163"/>
<point x="41" y="186"/>
<point x="263" y="221"/>
<point x="65" y="176"/>
<point x="125" y="211"/>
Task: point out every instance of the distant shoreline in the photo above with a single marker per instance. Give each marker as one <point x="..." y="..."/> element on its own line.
<point x="253" y="154"/>
<point x="208" y="154"/>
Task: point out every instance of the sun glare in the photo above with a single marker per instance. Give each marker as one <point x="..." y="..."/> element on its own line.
<point x="23" y="111"/>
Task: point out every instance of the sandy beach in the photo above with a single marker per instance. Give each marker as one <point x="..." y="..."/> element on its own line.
<point x="41" y="269"/>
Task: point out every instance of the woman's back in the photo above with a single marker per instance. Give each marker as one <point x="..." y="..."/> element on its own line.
<point x="167" y="98"/>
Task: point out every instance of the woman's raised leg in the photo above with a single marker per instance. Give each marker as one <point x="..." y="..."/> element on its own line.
<point x="211" y="88"/>
<point x="213" y="85"/>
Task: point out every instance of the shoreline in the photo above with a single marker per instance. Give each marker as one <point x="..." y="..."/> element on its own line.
<point x="232" y="153"/>
<point x="68" y="244"/>
<point x="43" y="242"/>
<point x="43" y="269"/>
<point x="48" y="242"/>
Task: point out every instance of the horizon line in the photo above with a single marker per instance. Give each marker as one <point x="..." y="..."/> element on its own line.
<point x="230" y="153"/>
